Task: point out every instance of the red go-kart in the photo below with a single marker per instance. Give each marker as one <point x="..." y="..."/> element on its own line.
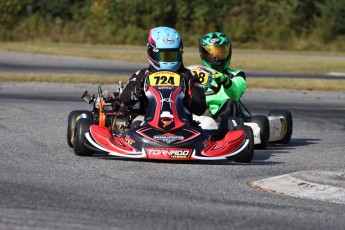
<point x="164" y="133"/>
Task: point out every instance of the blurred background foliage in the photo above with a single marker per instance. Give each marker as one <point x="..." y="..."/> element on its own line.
<point x="255" y="24"/>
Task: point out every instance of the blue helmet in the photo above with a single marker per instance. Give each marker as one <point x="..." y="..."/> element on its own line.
<point x="164" y="48"/>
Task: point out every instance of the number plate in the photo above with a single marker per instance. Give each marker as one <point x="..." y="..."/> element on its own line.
<point x="203" y="75"/>
<point x="165" y="79"/>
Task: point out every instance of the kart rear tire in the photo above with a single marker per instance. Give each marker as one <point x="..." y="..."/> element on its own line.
<point x="72" y="119"/>
<point x="289" y="124"/>
<point x="79" y="145"/>
<point x="264" y="124"/>
<point x="249" y="151"/>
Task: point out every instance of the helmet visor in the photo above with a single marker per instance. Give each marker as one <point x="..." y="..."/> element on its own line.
<point x="212" y="53"/>
<point x="165" y="55"/>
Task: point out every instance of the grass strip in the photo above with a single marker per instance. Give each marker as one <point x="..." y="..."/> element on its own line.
<point x="268" y="83"/>
<point x="61" y="78"/>
<point x="297" y="84"/>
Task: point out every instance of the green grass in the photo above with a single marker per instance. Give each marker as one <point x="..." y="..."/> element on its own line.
<point x="297" y="84"/>
<point x="268" y="83"/>
<point x="61" y="78"/>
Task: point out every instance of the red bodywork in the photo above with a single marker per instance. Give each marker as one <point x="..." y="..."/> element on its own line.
<point x="123" y="146"/>
<point x="167" y="134"/>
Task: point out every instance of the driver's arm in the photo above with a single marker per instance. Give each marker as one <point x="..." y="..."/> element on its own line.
<point x="195" y="96"/>
<point x="134" y="84"/>
<point x="237" y="85"/>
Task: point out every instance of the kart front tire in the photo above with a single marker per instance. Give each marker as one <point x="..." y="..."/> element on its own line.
<point x="72" y="119"/>
<point x="79" y="145"/>
<point x="289" y="124"/>
<point x="264" y="124"/>
<point x="248" y="154"/>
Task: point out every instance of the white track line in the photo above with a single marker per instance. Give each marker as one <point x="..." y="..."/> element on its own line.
<point x="336" y="74"/>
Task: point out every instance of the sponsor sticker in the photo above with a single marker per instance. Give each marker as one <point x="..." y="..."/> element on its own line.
<point x="166" y="153"/>
<point x="166" y="121"/>
<point x="214" y="40"/>
<point x="168" y="40"/>
<point x="128" y="140"/>
<point x="168" y="139"/>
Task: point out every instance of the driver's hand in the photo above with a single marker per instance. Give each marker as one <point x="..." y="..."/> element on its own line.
<point x="220" y="78"/>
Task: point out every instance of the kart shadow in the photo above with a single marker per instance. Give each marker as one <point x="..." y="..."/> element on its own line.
<point x="273" y="149"/>
<point x="184" y="162"/>
<point x="261" y="157"/>
<point x="179" y="162"/>
<point x="295" y="142"/>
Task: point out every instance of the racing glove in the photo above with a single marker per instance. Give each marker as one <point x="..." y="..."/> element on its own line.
<point x="222" y="79"/>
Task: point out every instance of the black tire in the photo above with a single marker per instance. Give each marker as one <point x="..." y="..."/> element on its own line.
<point x="72" y="117"/>
<point x="289" y="124"/>
<point x="247" y="155"/>
<point x="264" y="124"/>
<point x="79" y="144"/>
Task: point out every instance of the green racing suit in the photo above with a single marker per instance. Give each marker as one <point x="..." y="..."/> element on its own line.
<point x="233" y="90"/>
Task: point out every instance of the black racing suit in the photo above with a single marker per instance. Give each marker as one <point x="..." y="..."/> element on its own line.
<point x="194" y="101"/>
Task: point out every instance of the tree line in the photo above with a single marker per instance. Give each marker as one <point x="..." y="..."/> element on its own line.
<point x="265" y="24"/>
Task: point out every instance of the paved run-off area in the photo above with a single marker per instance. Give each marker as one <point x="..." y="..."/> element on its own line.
<point x="315" y="184"/>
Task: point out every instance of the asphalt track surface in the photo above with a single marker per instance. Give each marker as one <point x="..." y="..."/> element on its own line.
<point x="44" y="185"/>
<point x="13" y="62"/>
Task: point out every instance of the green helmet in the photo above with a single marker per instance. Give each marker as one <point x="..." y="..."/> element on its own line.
<point x="215" y="51"/>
